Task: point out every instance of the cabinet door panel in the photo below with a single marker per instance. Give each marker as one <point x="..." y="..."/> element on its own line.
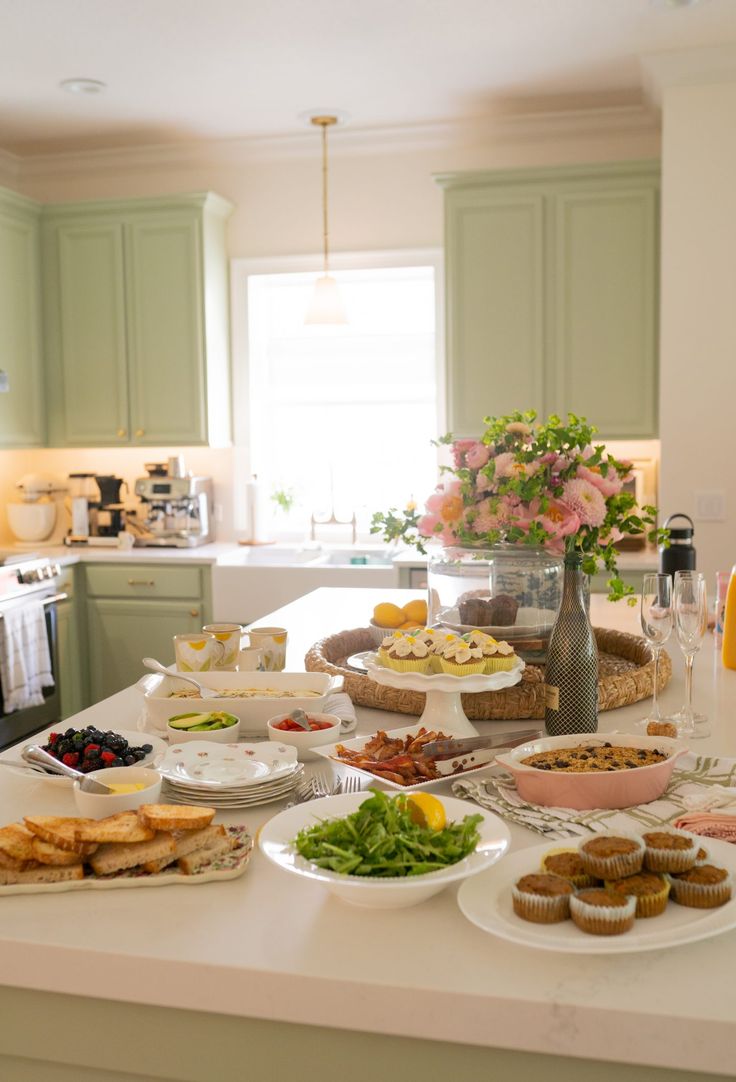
<point x="605" y="362"/>
<point x="120" y="633"/>
<point x="495" y="306"/>
<point x="166" y="351"/>
<point x="69" y="659"/>
<point x="21" y="409"/>
<point x="92" y="314"/>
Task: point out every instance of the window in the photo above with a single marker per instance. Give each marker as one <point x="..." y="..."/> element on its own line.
<point x="342" y="417"/>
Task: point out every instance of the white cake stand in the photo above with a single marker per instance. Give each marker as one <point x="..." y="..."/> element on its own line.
<point x="443" y="710"/>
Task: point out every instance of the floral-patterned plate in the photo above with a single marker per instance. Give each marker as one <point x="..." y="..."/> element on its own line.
<point x="205" y="765"/>
<point x="227" y="866"/>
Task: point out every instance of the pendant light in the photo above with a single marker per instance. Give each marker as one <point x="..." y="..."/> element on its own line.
<point x="326" y="304"/>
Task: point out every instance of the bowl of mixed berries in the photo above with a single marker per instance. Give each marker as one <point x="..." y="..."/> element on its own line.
<point x="92" y="749"/>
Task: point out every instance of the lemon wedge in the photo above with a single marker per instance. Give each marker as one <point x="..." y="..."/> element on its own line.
<point x="427" y="810"/>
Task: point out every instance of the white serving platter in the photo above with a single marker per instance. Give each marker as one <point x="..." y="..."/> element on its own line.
<point x="486" y="902"/>
<point x="222" y="868"/>
<point x="328" y="751"/>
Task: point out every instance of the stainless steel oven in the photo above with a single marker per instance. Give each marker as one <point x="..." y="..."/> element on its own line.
<point x="32" y="578"/>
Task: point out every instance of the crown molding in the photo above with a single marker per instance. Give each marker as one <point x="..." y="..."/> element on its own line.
<point x="511" y="128"/>
<point x="688" y="67"/>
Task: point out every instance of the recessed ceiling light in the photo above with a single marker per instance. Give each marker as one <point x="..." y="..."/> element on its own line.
<point x="82" y="86"/>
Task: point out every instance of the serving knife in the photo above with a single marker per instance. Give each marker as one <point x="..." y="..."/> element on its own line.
<point x="450" y="748"/>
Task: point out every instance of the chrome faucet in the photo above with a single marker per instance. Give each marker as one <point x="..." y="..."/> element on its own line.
<point x="333" y="521"/>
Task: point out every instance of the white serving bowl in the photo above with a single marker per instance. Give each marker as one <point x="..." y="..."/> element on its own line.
<point x="98" y="805"/>
<point x="277" y="843"/>
<point x="253" y="711"/>
<point x="230" y="735"/>
<point x="304" y="741"/>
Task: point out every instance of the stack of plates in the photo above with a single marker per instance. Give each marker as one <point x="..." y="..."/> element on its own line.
<point x="229" y="775"/>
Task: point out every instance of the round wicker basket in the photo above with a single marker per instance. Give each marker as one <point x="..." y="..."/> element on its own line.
<point x="626" y="675"/>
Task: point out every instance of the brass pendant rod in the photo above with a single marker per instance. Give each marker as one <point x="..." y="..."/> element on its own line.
<point x="325" y="228"/>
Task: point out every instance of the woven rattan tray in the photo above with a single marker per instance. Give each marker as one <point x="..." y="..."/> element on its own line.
<point x="626" y="675"/>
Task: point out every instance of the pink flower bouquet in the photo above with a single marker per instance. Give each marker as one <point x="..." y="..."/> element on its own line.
<point x="523" y="482"/>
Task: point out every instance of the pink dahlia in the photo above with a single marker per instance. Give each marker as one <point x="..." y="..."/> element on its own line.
<point x="610" y="485"/>
<point x="504" y="465"/>
<point x="586" y="501"/>
<point x="460" y="449"/>
<point x="477" y="456"/>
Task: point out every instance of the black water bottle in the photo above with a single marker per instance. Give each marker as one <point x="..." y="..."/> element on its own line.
<point x="680" y="555"/>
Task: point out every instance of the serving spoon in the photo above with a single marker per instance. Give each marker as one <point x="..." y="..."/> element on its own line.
<point x="38" y="756"/>
<point x="156" y="666"/>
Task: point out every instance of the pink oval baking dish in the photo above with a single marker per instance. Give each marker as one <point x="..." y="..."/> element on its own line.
<point x="600" y="789"/>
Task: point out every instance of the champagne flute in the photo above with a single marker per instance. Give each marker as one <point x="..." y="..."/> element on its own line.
<point x="691" y="618"/>
<point x="656" y="626"/>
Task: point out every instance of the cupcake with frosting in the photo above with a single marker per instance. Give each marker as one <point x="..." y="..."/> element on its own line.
<point x="439" y="641"/>
<point x="408" y="654"/>
<point x="386" y="644"/>
<point x="458" y="658"/>
<point x="499" y="656"/>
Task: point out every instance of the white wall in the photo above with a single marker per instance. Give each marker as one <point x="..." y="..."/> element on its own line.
<point x="698" y="314"/>
<point x="381" y="197"/>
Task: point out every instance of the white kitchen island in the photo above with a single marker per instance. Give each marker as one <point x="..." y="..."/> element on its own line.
<point x="269" y="977"/>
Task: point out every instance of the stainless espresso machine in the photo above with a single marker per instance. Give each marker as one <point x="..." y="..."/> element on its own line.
<point x="175" y="512"/>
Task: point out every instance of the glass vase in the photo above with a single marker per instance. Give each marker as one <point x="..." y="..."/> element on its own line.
<point x="512" y="592"/>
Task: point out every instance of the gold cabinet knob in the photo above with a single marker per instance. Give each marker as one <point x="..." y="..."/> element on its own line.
<point x="139" y="432"/>
<point x="194" y="612"/>
<point x="121" y="433"/>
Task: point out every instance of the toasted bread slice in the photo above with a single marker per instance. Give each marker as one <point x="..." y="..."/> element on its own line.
<point x="117" y="857"/>
<point x="59" y="831"/>
<point x="16" y="844"/>
<point x="191" y="864"/>
<point x="46" y="853"/>
<point x="124" y="827"/>
<point x="14" y="865"/>
<point x="186" y="842"/>
<point x="175" y="816"/>
<point x="40" y="874"/>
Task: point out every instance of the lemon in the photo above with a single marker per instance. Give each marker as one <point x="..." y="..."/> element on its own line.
<point x="410" y="625"/>
<point x="417" y="611"/>
<point x="388" y="615"/>
<point x="427" y="810"/>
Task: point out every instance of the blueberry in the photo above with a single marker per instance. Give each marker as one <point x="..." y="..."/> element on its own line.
<point x="607" y="744"/>
<point x="148" y="748"/>
<point x="91" y="753"/>
<point x="130" y="760"/>
<point x="117" y="762"/>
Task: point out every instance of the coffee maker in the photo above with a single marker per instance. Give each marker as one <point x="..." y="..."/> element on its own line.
<point x="107" y="518"/>
<point x="175" y="511"/>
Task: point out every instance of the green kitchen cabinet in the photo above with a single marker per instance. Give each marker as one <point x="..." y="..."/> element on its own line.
<point x="70" y="645"/>
<point x="136" y="317"/>
<point x="22" y="422"/>
<point x="552" y="295"/>
<point x="133" y="611"/>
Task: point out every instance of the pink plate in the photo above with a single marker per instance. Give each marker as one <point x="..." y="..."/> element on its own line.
<point x="600" y="789"/>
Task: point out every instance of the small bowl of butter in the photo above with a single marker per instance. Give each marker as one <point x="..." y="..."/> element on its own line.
<point x="131" y="786"/>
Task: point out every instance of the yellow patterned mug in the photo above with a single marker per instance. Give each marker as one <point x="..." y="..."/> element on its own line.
<point x="272" y="641"/>
<point x="229" y="635"/>
<point x="198" y="652"/>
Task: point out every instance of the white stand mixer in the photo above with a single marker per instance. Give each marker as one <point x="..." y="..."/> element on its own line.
<point x="40" y="517"/>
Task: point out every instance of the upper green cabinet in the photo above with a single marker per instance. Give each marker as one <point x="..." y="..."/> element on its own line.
<point x="21" y="407"/>
<point x="136" y="311"/>
<point x="552" y="295"/>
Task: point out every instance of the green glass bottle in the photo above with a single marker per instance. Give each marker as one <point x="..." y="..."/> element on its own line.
<point x="571" y="672"/>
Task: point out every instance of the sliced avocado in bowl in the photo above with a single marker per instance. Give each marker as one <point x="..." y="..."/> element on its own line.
<point x="203" y="722"/>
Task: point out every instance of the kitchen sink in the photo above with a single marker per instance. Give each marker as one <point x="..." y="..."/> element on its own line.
<point x="268" y="556"/>
<point x="357" y="558"/>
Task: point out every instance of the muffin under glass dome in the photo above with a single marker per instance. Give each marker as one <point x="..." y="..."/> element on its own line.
<point x="511" y="592"/>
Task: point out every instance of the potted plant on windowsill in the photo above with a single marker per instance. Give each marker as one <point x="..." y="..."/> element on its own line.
<point x="509" y="508"/>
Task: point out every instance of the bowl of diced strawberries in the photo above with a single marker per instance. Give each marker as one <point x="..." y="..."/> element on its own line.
<point x="323" y="729"/>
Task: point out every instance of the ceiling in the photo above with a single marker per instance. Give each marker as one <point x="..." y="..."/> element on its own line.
<point x="182" y="70"/>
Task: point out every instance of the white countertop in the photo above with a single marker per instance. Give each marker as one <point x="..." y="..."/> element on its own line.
<point x="275" y="947"/>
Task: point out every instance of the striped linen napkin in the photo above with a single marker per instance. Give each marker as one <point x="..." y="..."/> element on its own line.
<point x="688" y="789"/>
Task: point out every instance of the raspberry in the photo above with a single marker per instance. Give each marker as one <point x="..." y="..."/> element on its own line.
<point x="71" y="758"/>
<point x="108" y="756"/>
<point x="91" y="748"/>
<point x="53" y="737"/>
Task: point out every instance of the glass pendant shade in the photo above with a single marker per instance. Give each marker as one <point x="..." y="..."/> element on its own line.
<point x="326" y="304"/>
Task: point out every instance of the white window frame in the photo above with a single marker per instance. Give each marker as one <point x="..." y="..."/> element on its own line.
<point x="241" y="269"/>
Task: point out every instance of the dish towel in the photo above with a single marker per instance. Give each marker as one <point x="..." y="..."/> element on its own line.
<point x="689" y="787"/>
<point x="340" y="703"/>
<point x="25" y="658"/>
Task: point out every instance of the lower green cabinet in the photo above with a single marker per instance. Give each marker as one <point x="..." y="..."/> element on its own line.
<point x="120" y="633"/>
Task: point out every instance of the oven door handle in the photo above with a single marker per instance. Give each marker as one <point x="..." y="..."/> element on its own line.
<point x="53" y="600"/>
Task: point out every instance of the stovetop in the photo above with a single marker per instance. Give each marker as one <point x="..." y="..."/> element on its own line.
<point x="27" y="575"/>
